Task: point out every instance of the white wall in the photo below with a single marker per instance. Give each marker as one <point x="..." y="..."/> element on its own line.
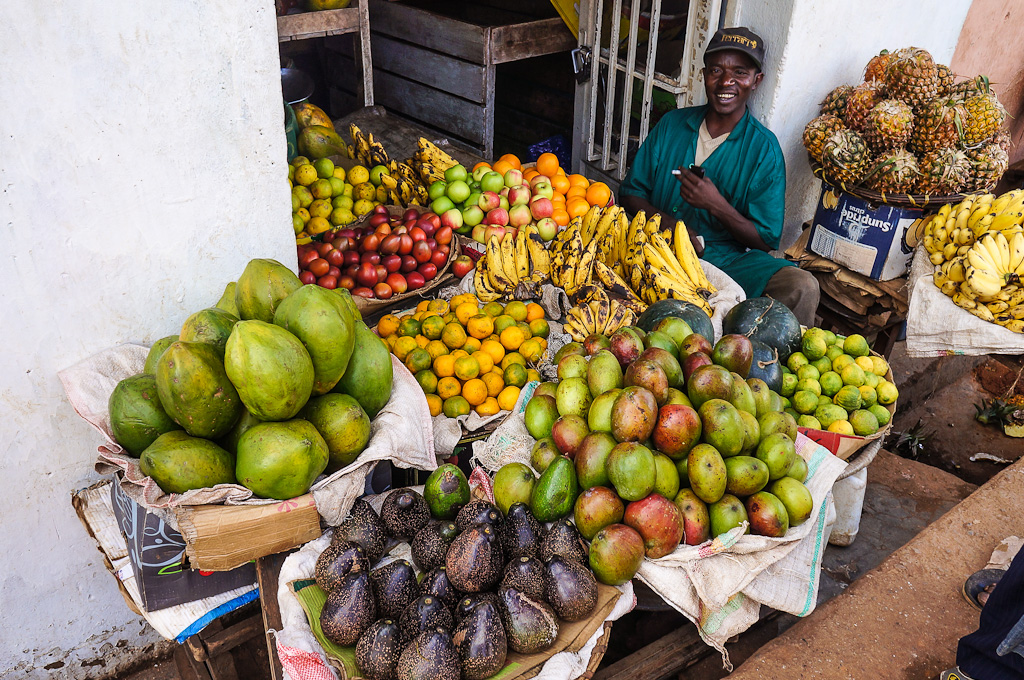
<point x="142" y="164"/>
<point x="816" y="45"/>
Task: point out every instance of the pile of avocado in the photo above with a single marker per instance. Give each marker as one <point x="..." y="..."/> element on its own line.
<point x="480" y="582"/>
<point x="272" y="387"/>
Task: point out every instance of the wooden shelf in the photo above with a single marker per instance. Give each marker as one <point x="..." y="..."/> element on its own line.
<point x="318" y="24"/>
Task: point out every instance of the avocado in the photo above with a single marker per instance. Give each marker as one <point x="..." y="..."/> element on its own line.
<point x="430" y="656"/>
<point x="436" y="582"/>
<point x="404" y="513"/>
<point x="395" y="586"/>
<point x="378" y="649"/>
<point x="570" y="588"/>
<point x="479" y="512"/>
<point x="474" y="560"/>
<point x="466" y="604"/>
<point x="530" y="623"/>
<point x="554" y="494"/>
<point x="338" y="560"/>
<point x="564" y="540"/>
<point x="526" y="574"/>
<point x="349" y="609"/>
<point x="521" y="534"/>
<point x="424" y="613"/>
<point x="430" y="545"/>
<point x="481" y="642"/>
<point x="446" y="491"/>
<point x="364" y="527"/>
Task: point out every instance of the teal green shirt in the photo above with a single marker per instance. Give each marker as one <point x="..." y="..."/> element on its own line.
<point x="749" y="171"/>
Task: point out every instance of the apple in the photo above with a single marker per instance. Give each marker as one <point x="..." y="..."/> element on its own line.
<point x="437" y="189"/>
<point x="488" y="201"/>
<point x="547" y="228"/>
<point x="497" y="216"/>
<point x="519" y="215"/>
<point x="504" y="192"/>
<point x="397" y="283"/>
<point x="480" y="173"/>
<point x="415" y="280"/>
<point x="478" y="233"/>
<point x="462" y="265"/>
<point x="492" y="181"/>
<point x="519" y="195"/>
<point x="472" y="215"/>
<point x="458" y="191"/>
<point x="493" y="230"/>
<point x="541" y="207"/>
<point x="452" y="218"/>
<point x="513" y="178"/>
<point x="367" y="275"/>
<point x="456" y="173"/>
<point x="512" y="230"/>
<point x="474" y="199"/>
<point x="442" y="205"/>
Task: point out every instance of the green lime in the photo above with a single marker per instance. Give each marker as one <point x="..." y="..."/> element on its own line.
<point x="427" y="381"/>
<point x="796" y="360"/>
<point x="809" y="385"/>
<point x="868" y="396"/>
<point x="805" y="402"/>
<point x="788" y="384"/>
<point x="808" y="372"/>
<point x="813" y="344"/>
<point x="829" y="413"/>
<point x="809" y="422"/>
<point x="881" y="413"/>
<point x="887" y="393"/>
<point x="830" y="338"/>
<point x="852" y="375"/>
<point x="832" y="352"/>
<point x="855" y="345"/>
<point x="831" y="382"/>
<point x="841" y="362"/>
<point x="848" y="398"/>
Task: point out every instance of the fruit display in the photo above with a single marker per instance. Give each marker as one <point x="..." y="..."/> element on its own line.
<point x="389" y="255"/>
<point x="977" y="247"/>
<point x="482" y="582"/>
<point x="325" y="197"/>
<point x="269" y="389"/>
<point x="468" y="356"/>
<point x="834" y="383"/>
<point x="649" y="440"/>
<point x="911" y="128"/>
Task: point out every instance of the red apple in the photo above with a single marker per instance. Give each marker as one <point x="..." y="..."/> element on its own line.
<point x="541" y="207"/>
<point x="462" y="265"/>
<point x="519" y="195"/>
<point x="452" y="218"/>
<point x="494" y="230"/>
<point x="488" y="201"/>
<point x="519" y="215"/>
<point x="547" y="228"/>
<point x="478" y="233"/>
<point x="513" y="178"/>
<point x="497" y="216"/>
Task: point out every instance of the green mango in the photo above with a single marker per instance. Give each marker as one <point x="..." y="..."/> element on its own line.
<point x="319" y="319"/>
<point x="195" y="389"/>
<point x="281" y="460"/>
<point x="179" y="463"/>
<point x="369" y="375"/>
<point x="136" y="416"/>
<point x="554" y="494"/>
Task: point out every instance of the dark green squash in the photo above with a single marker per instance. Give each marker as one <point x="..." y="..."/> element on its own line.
<point x="766" y="320"/>
<point x="766" y="365"/>
<point x="698" y="320"/>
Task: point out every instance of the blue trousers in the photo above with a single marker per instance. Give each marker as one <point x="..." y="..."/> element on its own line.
<point x="996" y="650"/>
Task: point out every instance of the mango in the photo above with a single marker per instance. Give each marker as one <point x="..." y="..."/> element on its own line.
<point x="573" y="397"/>
<point x="554" y="494"/>
<point x="369" y="375"/>
<point x="195" y="390"/>
<point x="543" y="452"/>
<point x="709" y="382"/>
<point x="157" y="349"/>
<point x="572" y="366"/>
<point x="658" y="521"/>
<point x="734" y="352"/>
<point x="603" y="373"/>
<point x="662" y="341"/>
<point x="666" y="477"/>
<point x="631" y="470"/>
<point x="677" y="431"/>
<point x="179" y="462"/>
<point x="261" y="288"/>
<point x="677" y="397"/>
<point x="615" y="554"/>
<point x="675" y="328"/>
<point x="136" y="416"/>
<point x="342" y="423"/>
<point x="726" y="514"/>
<point x="767" y="514"/>
<point x="696" y="522"/>
<point x="778" y="453"/>
<point x="281" y="460"/>
<point x="752" y="433"/>
<point x="271" y="369"/>
<point x="320" y="141"/>
<point x="546" y="389"/>
<point x="319" y="319"/>
<point x="649" y="375"/>
<point x="541" y="413"/>
<point x="707" y="472"/>
<point x="799" y="470"/>
<point x="795" y="497"/>
<point x="513" y="483"/>
<point x="596" y="508"/>
<point x="762" y="396"/>
<point x="591" y="459"/>
<point x="599" y="415"/>
<point x="742" y="397"/>
<point x="722" y="427"/>
<point x="634" y="414"/>
<point x="745" y="475"/>
<point x="567" y="349"/>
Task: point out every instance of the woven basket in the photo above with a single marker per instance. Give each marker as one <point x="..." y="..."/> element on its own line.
<point x="897" y="200"/>
<point x="598" y="654"/>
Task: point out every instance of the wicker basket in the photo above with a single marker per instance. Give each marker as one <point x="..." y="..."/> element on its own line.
<point x="897" y="200"/>
<point x="598" y="654"/>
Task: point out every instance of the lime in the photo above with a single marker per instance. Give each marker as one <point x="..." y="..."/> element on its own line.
<point x="829" y="413"/>
<point x="813" y="344"/>
<point x="788" y="384"/>
<point x="866" y="364"/>
<point x="887" y="393"/>
<point x="324" y="167"/>
<point x="298" y="161"/>
<point x="881" y="413"/>
<point x="848" y="398"/>
<point x="841" y="362"/>
<point x="880" y="366"/>
<point x="823" y="399"/>
<point x="808" y="372"/>
<point x="358" y="174"/>
<point x="796" y="360"/>
<point x="809" y="422"/>
<point x="305" y="175"/>
<point x="830" y="338"/>
<point x="868" y="396"/>
<point x="804" y="402"/>
<point x="427" y="381"/>
<point x="832" y="352"/>
<point x="823" y="364"/>
<point x="852" y="375"/>
<point x="831" y="383"/>
<point x="855" y="345"/>
<point x="871" y="380"/>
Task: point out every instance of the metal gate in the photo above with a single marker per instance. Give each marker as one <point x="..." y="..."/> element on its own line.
<point x="605" y="133"/>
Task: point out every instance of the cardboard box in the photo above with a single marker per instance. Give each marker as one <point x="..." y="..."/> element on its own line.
<point x="157" y="554"/>
<point x="874" y="240"/>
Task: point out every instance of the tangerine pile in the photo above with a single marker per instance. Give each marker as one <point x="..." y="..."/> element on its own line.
<point x="467" y="355"/>
<point x="573" y="194"/>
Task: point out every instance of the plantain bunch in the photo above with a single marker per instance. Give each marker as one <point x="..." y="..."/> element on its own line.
<point x="596" y="313"/>
<point x="431" y="162"/>
<point x="513" y="266"/>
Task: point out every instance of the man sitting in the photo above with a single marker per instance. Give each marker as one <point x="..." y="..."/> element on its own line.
<point x="731" y="186"/>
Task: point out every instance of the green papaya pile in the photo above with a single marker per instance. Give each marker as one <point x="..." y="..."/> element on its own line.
<point x="270" y="388"/>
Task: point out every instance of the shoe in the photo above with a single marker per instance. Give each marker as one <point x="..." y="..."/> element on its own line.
<point x="954" y="674"/>
<point x="979" y="585"/>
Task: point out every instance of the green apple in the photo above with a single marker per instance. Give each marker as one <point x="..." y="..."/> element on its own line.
<point x="456" y="172"/>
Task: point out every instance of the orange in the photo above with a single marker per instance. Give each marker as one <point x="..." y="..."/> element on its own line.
<point x="453" y="336"/>
<point x="422" y="305"/>
<point x="484" y="360"/>
<point x="459" y="353"/>
<point x="492" y="309"/>
<point x="390" y="342"/>
<point x="517" y="310"/>
<point x="422" y="341"/>
<point x="459" y="299"/>
<point x="444" y="366"/>
<point x="561" y="171"/>
<point x="531" y="350"/>
<point x="465" y="311"/>
<point x="427" y="381"/>
<point x="560" y="183"/>
<point x="440" y="306"/>
<point x="539" y="328"/>
<point x="508" y="397"/>
<point x="598" y="193"/>
<point x="434" y="403"/>
<point x="417" y="360"/>
<point x="466" y="368"/>
<point x="480" y="326"/>
<point x="489" y="407"/>
<point x="547" y="164"/>
<point x="494" y="348"/>
<point x="512" y="358"/>
<point x="495" y="383"/>
<point x="529" y="174"/>
<point x="481" y="164"/>
<point x="436" y="348"/>
<point x="472" y="345"/>
<point x="409" y="326"/>
<point x="502" y="167"/>
<point x="432" y="327"/>
<point x="577" y="207"/>
<point x="561" y="217"/>
<point x="532" y="375"/>
<point x="403" y="346"/>
<point x="512" y="337"/>
<point x="578" y="181"/>
<point x="448" y="387"/>
<point x="502" y="322"/>
<point x="515" y="374"/>
<point x="456" y="406"/>
<point x="388" y="325"/>
<point x="558" y="200"/>
<point x="575" y="192"/>
<point x="475" y="391"/>
<point x="512" y="160"/>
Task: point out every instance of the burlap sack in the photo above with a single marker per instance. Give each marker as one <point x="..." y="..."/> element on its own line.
<point x="401" y="432"/>
<point x="937" y="327"/>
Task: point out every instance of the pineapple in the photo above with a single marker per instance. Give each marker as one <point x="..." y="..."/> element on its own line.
<point x="862" y="99"/>
<point x="1003" y="139"/>
<point x="968" y="88"/>
<point x="912" y="76"/>
<point x="985" y="115"/>
<point x="944" y="171"/>
<point x="888" y="125"/>
<point x="894" y="172"/>
<point x="817" y="133"/>
<point x="835" y="101"/>
<point x="845" y="158"/>
<point x="988" y="163"/>
<point x="937" y="125"/>
<point x="877" y="65"/>
<point x="946" y="80"/>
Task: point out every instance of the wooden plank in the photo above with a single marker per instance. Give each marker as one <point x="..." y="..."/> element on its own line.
<point x="366" y="62"/>
<point x="317" y="24"/>
<point x="433" y="107"/>
<point x="267" y="571"/>
<point x="531" y="39"/>
<point x="223" y="641"/>
<point x="660" y="659"/>
<point x="432" y="31"/>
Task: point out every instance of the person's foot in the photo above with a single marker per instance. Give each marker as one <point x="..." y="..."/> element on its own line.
<point x="954" y="674"/>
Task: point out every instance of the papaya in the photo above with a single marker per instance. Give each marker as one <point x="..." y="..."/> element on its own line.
<point x="350" y="305"/>
<point x="270" y="368"/>
<point x="280" y="460"/>
<point x="342" y="423"/>
<point x="319" y="141"/>
<point x="307" y="114"/>
<point x="227" y="300"/>
<point x="318" y="318"/>
<point x="212" y="326"/>
<point x="195" y="390"/>
<point x="369" y="374"/>
<point x="261" y="288"/>
<point x="155" y="351"/>
<point x="179" y="463"/>
<point x="136" y="416"/>
<point x="246" y="422"/>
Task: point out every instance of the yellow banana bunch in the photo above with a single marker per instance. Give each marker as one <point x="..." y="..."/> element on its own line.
<point x="431" y="154"/>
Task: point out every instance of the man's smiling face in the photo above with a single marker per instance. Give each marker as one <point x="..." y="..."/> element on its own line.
<point x="729" y="78"/>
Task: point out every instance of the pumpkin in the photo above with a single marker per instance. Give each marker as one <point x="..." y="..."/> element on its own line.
<point x="766" y="320"/>
<point x="766" y="365"/>
<point x="693" y="315"/>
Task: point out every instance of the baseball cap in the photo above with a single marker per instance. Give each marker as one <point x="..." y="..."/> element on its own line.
<point x="741" y="39"/>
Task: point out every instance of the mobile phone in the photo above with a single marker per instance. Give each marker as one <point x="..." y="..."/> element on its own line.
<point x="697" y="170"/>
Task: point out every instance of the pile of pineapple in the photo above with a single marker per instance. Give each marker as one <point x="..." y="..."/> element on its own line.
<point x="911" y="128"/>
